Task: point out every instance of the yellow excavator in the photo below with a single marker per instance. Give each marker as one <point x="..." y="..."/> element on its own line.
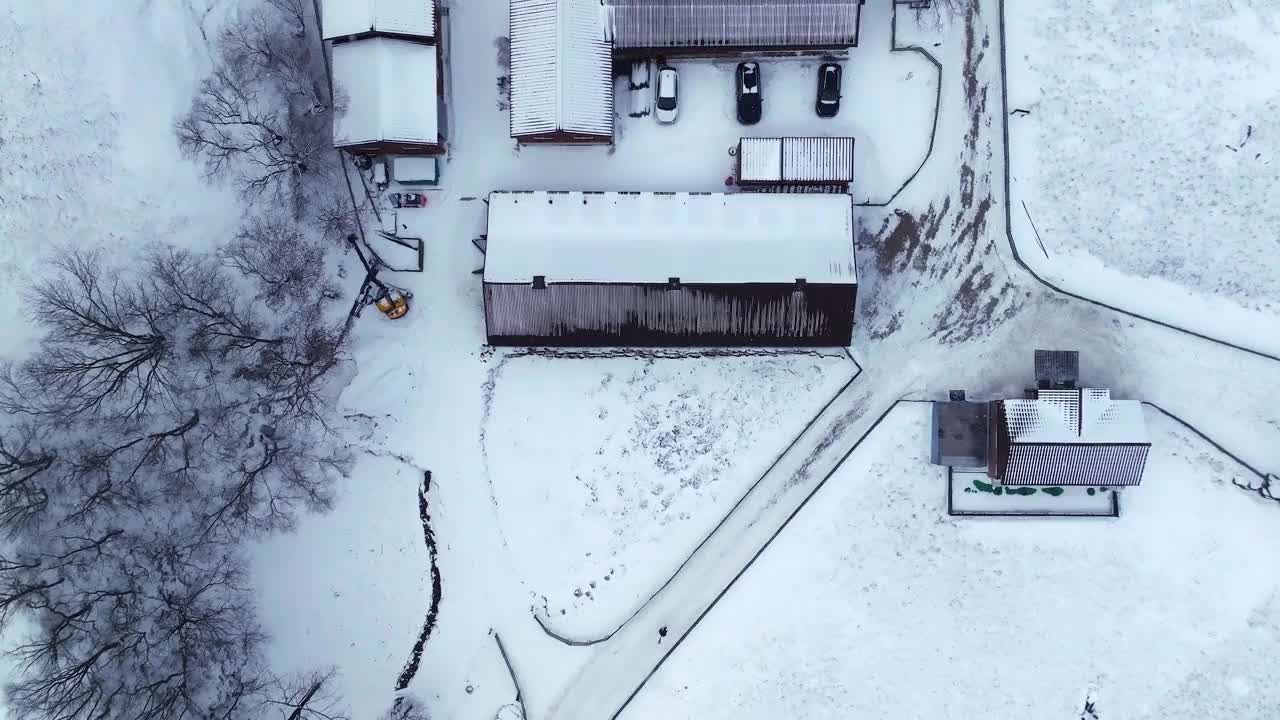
<point x="391" y="301"/>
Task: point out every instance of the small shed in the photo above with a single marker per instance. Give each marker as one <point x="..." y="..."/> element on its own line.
<point x="714" y="27"/>
<point x="386" y="97"/>
<point x="959" y="434"/>
<point x="354" y="19"/>
<point x="561" y="72"/>
<point x="795" y="161"/>
<point x="669" y="269"/>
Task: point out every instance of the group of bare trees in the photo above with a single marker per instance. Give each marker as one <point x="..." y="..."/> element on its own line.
<point x="174" y="410"/>
<point x="167" y="416"/>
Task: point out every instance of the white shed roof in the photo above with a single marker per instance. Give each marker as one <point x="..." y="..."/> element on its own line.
<point x="651" y="237"/>
<point x="386" y="90"/>
<point x="796" y="159"/>
<point x="1086" y="416"/>
<point x="561" y="68"/>
<point x="402" y="17"/>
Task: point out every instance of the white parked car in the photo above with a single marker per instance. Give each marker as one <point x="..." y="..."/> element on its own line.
<point x="668" y="95"/>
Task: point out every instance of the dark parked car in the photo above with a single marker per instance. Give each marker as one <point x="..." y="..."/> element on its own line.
<point x="750" y="101"/>
<point x="828" y="90"/>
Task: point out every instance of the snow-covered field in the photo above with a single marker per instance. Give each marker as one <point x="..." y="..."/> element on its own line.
<point x="1148" y="156"/>
<point x="607" y="471"/>
<point x="875" y="604"/>
<point x="871" y="602"/>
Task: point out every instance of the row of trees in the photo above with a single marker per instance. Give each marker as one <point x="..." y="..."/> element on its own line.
<point x="174" y="410"/>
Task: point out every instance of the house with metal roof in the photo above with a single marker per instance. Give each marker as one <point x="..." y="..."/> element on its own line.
<point x="641" y="28"/>
<point x="388" y="84"/>
<point x="1057" y="435"/>
<point x="561" y="72"/>
<point x="353" y="19"/>
<point x="695" y="269"/>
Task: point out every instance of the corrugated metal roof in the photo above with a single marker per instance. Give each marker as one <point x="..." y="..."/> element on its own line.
<point x="651" y="237"/>
<point x="796" y="159"/>
<point x="1075" y="416"/>
<point x="386" y="90"/>
<point x="728" y="23"/>
<point x="402" y="17"/>
<point x="561" y="68"/>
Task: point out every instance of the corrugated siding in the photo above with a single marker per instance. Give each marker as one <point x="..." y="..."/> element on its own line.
<point x="796" y="159"/>
<point x="732" y="23"/>
<point x="561" y="68"/>
<point x="584" y="314"/>
<point x="1098" y="465"/>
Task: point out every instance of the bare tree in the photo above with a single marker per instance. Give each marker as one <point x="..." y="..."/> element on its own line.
<point x="310" y="696"/>
<point x="287" y="265"/>
<point x="262" y="117"/>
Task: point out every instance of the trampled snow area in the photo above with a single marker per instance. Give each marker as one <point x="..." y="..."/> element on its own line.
<point x="1148" y="156"/>
<point x="878" y="605"/>
<point x="608" y="470"/>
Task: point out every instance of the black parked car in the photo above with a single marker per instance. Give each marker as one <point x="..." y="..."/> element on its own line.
<point x="828" y="103"/>
<point x="750" y="102"/>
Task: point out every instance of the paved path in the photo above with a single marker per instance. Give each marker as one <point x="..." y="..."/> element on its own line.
<point x="621" y="666"/>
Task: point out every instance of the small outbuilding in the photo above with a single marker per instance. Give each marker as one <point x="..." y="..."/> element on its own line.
<point x="385" y="97"/>
<point x="780" y="161"/>
<point x="574" y="268"/>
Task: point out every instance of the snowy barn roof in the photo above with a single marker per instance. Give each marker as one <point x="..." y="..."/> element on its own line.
<point x="652" y="237"/>
<point x="397" y="17"/>
<point x="796" y="159"/>
<point x="561" y="68"/>
<point x="386" y="90"/>
<point x="1085" y="416"/>
<point x="732" y="23"/>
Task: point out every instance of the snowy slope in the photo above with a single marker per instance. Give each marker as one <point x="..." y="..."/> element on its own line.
<point x="1147" y="157"/>
<point x="880" y="606"/>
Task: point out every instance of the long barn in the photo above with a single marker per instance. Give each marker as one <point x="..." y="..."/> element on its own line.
<point x="573" y="268"/>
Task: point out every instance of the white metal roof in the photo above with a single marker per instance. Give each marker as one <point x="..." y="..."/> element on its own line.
<point x="402" y="17"/>
<point x="385" y="90"/>
<point x="651" y="237"/>
<point x="1082" y="416"/>
<point x="796" y="159"/>
<point x="721" y="23"/>
<point x="561" y="68"/>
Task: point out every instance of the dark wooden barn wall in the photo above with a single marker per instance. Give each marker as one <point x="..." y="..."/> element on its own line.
<point x="585" y="314"/>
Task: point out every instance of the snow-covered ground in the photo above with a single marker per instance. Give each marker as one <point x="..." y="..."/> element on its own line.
<point x="1147" y="157"/>
<point x="87" y="149"/>
<point x="607" y="471"/>
<point x="878" y="605"/>
<point x="941" y="305"/>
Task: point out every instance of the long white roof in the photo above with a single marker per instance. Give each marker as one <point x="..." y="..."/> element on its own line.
<point x="1085" y="416"/>
<point x="561" y="68"/>
<point x="652" y="237"/>
<point x="402" y="17"/>
<point x="385" y="90"/>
